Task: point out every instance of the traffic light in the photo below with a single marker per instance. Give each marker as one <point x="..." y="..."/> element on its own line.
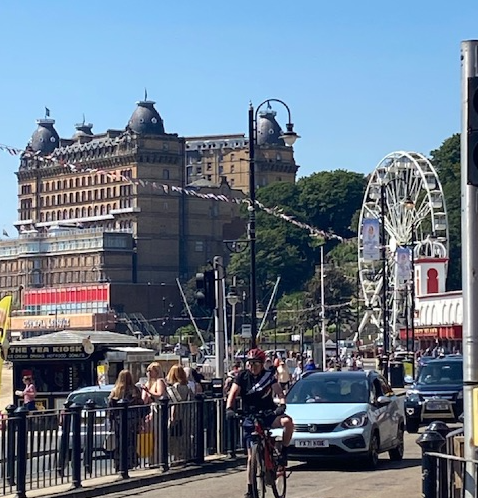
<point x="205" y="290"/>
<point x="472" y="132"/>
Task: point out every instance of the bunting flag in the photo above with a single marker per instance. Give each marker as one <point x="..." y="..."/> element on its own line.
<point x="167" y="189"/>
<point x="5" y="305"/>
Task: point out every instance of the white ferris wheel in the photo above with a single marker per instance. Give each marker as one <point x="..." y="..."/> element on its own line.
<point x="405" y="193"/>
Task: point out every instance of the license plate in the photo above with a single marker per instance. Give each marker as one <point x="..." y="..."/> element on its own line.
<point x="437" y="406"/>
<point x="312" y="443"/>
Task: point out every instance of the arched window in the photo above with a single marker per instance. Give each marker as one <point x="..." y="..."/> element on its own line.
<point x="42" y="216"/>
<point x="165" y="174"/>
<point x="77" y="212"/>
<point x="65" y="198"/>
<point x="77" y="182"/>
<point x="53" y="216"/>
<point x="71" y="182"/>
<point x="96" y="211"/>
<point x="90" y="211"/>
<point x="83" y="212"/>
<point x="432" y="281"/>
<point x="48" y="216"/>
<point x="103" y="209"/>
<point x="77" y="197"/>
<point x="70" y="213"/>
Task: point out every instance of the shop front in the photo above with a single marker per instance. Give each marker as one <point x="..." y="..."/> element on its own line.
<point x="26" y="326"/>
<point x="447" y="336"/>
<point x="61" y="362"/>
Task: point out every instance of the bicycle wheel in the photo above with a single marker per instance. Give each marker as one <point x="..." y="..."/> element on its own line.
<point x="256" y="472"/>
<point x="279" y="483"/>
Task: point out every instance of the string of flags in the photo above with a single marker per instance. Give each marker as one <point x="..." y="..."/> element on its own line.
<point x="170" y="189"/>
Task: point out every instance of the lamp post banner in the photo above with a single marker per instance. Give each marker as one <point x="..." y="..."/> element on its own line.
<point x="404" y="265"/>
<point x="371" y="240"/>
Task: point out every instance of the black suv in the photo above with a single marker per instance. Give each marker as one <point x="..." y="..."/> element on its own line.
<point x="437" y="394"/>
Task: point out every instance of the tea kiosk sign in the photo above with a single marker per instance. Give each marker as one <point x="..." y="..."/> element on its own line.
<point x="65" y="352"/>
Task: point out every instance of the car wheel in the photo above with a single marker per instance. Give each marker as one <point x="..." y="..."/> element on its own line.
<point x="372" y="458"/>
<point x="396" y="454"/>
<point x="413" y="425"/>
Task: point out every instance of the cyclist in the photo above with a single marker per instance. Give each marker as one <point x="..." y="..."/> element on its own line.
<point x="257" y="388"/>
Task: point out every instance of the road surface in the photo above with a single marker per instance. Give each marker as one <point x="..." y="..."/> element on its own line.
<point x="390" y="480"/>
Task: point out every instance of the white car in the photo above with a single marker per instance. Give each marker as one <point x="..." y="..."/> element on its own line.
<point x="344" y="415"/>
<point x="101" y="428"/>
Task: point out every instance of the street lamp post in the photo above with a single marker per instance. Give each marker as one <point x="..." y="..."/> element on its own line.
<point x="275" y="332"/>
<point x="384" y="282"/>
<point x="289" y="138"/>
<point x="232" y="298"/>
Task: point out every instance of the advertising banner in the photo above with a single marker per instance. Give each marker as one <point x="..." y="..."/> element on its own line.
<point x="404" y="265"/>
<point x="371" y="239"/>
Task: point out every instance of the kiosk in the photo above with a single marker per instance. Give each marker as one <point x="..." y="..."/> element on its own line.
<point x="64" y="361"/>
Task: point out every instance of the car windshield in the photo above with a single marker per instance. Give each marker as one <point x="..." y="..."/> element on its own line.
<point x="441" y="373"/>
<point x="329" y="389"/>
<point x="99" y="397"/>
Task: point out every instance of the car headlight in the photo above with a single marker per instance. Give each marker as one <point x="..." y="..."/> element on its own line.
<point x="357" y="420"/>
<point x="413" y="395"/>
<point x="459" y="395"/>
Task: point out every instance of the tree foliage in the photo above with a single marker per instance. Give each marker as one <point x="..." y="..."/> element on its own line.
<point x="446" y="160"/>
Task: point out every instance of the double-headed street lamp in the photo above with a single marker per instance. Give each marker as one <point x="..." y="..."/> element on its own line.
<point x="289" y="138"/>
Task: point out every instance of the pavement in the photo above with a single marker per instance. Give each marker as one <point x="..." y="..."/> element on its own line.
<point x="101" y="486"/>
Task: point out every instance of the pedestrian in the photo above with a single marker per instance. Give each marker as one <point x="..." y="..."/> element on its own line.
<point x="297" y="373"/>
<point x="192" y="384"/>
<point x="231" y="376"/>
<point x="155" y="387"/>
<point x="283" y="376"/>
<point x="125" y="389"/>
<point x="182" y="415"/>
<point x="29" y="393"/>
<point x="310" y="365"/>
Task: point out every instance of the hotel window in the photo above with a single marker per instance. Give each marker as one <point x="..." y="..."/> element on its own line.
<point x="232" y="168"/>
<point x="209" y="166"/>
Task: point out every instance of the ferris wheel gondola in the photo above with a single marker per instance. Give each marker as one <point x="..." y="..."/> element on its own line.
<point x="405" y="195"/>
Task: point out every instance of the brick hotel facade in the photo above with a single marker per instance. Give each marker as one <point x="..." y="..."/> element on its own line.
<point x="94" y="249"/>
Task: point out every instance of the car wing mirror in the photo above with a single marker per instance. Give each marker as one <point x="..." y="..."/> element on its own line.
<point x="384" y="400"/>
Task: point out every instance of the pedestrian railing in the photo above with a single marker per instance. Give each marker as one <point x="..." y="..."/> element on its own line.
<point x="444" y="467"/>
<point x="44" y="449"/>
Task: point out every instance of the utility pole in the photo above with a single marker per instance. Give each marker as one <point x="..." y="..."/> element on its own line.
<point x="219" y="316"/>
<point x="384" y="283"/>
<point x="322" y="308"/>
<point x="469" y="230"/>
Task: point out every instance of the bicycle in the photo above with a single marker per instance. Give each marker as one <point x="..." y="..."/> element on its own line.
<point x="264" y="469"/>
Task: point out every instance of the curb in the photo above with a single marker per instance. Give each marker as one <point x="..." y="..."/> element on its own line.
<point x="92" y="490"/>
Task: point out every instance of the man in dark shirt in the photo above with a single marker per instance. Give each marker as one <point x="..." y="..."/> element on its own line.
<point x="257" y="388"/>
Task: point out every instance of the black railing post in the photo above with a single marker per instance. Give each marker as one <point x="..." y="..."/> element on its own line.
<point x="21" y="414"/>
<point x="164" y="432"/>
<point x="11" y="447"/>
<point x="64" y="449"/>
<point x="430" y="441"/>
<point x="199" y="428"/>
<point x="76" y="410"/>
<point x="90" y="424"/>
<point x="443" y="477"/>
<point x="123" y="439"/>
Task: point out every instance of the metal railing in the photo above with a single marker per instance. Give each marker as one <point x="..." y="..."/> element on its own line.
<point x="443" y="464"/>
<point x="44" y="449"/>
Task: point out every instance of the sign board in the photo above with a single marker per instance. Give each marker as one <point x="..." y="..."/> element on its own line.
<point x="246" y="331"/>
<point x="47" y="353"/>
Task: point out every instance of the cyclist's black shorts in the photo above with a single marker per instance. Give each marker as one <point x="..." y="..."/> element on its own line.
<point x="248" y="426"/>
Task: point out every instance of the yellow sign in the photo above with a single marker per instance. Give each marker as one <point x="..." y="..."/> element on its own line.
<point x="5" y="304"/>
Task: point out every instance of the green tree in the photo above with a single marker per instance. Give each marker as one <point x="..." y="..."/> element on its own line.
<point x="446" y="160"/>
<point x="330" y="199"/>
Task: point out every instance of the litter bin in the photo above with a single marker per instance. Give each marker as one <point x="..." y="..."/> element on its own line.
<point x="397" y="374"/>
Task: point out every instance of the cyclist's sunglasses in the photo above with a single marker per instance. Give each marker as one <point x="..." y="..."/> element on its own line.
<point x="255" y="362"/>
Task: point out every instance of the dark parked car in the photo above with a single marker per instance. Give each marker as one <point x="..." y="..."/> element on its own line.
<point x="437" y="394"/>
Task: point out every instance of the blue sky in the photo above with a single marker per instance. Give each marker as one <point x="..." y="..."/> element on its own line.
<point x="362" y="79"/>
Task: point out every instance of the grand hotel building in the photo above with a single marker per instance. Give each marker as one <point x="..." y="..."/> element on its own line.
<point x="104" y="231"/>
